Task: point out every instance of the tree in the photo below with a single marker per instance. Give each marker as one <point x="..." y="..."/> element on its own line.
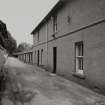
<point x="23" y="47"/>
<point x="10" y="43"/>
<point x="3" y="33"/>
<point x="6" y="39"/>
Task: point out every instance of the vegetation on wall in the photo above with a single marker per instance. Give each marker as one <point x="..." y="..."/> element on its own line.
<point x="10" y="43"/>
<point x="6" y="39"/>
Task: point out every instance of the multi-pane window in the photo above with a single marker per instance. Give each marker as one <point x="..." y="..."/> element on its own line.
<point x="54" y="23"/>
<point x="35" y="55"/>
<point x="79" y="57"/>
<point x="38" y="35"/>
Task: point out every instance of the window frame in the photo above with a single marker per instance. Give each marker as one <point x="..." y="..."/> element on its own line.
<point x="55" y="25"/>
<point x="79" y="57"/>
<point x="38" y="35"/>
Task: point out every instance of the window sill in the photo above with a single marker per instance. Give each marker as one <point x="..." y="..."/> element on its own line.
<point x="55" y="32"/>
<point x="81" y="76"/>
<point x="53" y="35"/>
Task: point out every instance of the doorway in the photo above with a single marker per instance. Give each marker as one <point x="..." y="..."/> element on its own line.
<point x="41" y="56"/>
<point x="38" y="58"/>
<point x="54" y="59"/>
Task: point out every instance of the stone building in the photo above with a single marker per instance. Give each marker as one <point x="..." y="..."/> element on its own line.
<point x="25" y="56"/>
<point x="70" y="41"/>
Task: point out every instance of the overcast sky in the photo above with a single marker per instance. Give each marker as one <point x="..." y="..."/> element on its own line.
<point x="21" y="16"/>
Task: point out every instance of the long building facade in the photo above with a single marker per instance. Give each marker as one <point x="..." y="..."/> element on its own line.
<point x="25" y="56"/>
<point x="70" y="41"/>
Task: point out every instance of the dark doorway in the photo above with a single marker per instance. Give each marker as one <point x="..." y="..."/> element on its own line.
<point x="54" y="59"/>
<point x="38" y="58"/>
<point x="41" y="56"/>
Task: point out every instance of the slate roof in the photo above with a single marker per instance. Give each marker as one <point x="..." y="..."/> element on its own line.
<point x="53" y="11"/>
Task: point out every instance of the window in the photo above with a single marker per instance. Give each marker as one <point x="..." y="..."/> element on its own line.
<point x="38" y="35"/>
<point x="79" y="57"/>
<point x="35" y="53"/>
<point x="54" y="23"/>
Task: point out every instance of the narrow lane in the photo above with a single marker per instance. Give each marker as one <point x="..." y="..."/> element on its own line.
<point x="49" y="89"/>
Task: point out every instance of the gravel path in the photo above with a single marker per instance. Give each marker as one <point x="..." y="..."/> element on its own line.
<point x="43" y="88"/>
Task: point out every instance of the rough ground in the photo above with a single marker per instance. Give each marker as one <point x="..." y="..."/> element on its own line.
<point x="30" y="85"/>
